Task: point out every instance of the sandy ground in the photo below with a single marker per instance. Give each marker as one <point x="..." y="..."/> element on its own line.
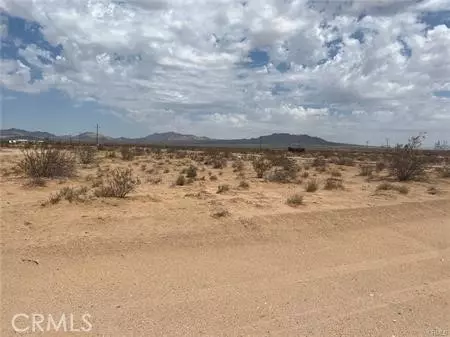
<point x="346" y="263"/>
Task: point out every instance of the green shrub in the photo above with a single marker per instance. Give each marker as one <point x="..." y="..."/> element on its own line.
<point x="118" y="183"/>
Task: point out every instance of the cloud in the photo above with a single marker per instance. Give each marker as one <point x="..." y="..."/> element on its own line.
<point x="228" y="67"/>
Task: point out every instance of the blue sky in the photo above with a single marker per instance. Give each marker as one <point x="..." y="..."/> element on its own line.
<point x="345" y="72"/>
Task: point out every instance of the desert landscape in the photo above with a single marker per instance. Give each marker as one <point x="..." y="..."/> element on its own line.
<point x="213" y="242"/>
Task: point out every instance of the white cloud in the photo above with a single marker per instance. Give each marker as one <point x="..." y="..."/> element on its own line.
<point x="180" y="64"/>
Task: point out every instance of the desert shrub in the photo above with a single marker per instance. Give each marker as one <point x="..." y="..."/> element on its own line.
<point x="295" y="200"/>
<point x="47" y="163"/>
<point x="223" y="188"/>
<point x="280" y="175"/>
<point x="110" y="154"/>
<point x="219" y="162"/>
<point x="334" y="184"/>
<point x="238" y="166"/>
<point x="36" y="182"/>
<point x="139" y="151"/>
<point x="261" y="165"/>
<point x="335" y="173"/>
<point x="388" y="186"/>
<point x="380" y="166"/>
<point x="220" y="213"/>
<point x="366" y="170"/>
<point x="406" y="161"/>
<point x="87" y="154"/>
<point x="213" y="178"/>
<point x="118" y="183"/>
<point x="432" y="190"/>
<point x="70" y="194"/>
<point x="345" y="161"/>
<point x="245" y="185"/>
<point x="154" y="180"/>
<point x="191" y="172"/>
<point x="444" y="172"/>
<point x="305" y="174"/>
<point x="127" y="153"/>
<point x="166" y="170"/>
<point x="181" y="180"/>
<point x="312" y="185"/>
<point x="319" y="162"/>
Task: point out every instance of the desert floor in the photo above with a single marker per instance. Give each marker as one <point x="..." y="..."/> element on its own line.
<point x="161" y="262"/>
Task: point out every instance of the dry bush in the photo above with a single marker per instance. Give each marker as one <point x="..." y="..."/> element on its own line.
<point x="388" y="186"/>
<point x="127" y="153"/>
<point x="110" y="154"/>
<point x="166" y="170"/>
<point x="312" y="185"/>
<point x="407" y="163"/>
<point x="345" y="161"/>
<point x="220" y="213"/>
<point x="280" y="175"/>
<point x="47" y="163"/>
<point x="366" y="170"/>
<point x="335" y="173"/>
<point x="444" y="172"/>
<point x="432" y="190"/>
<point x="295" y="200"/>
<point x="191" y="172"/>
<point x="181" y="180"/>
<point x="154" y="180"/>
<point x="238" y="166"/>
<point x="213" y="178"/>
<point x="219" y="163"/>
<point x="70" y="194"/>
<point x="305" y="174"/>
<point x="380" y="166"/>
<point x="87" y="154"/>
<point x="261" y="165"/>
<point x="223" y="188"/>
<point x="118" y="183"/>
<point x="319" y="162"/>
<point x="36" y="182"/>
<point x="244" y="185"/>
<point x="334" y="184"/>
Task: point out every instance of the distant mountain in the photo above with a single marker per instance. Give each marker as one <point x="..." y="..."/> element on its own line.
<point x="173" y="138"/>
<point x="18" y="134"/>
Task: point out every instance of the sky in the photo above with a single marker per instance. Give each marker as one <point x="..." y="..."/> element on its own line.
<point x="348" y="71"/>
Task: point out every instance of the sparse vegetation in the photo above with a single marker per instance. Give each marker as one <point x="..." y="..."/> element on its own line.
<point x="191" y="172"/>
<point x="261" y="165"/>
<point x="244" y="185"/>
<point x="127" y="153"/>
<point x="47" y="163"/>
<point x="312" y="185"/>
<point x="223" y="188"/>
<point x="334" y="184"/>
<point x="388" y="186"/>
<point x="87" y="154"/>
<point x="366" y="170"/>
<point x="181" y="180"/>
<point x="406" y="162"/>
<point x="70" y="194"/>
<point x="118" y="184"/>
<point x="295" y="200"/>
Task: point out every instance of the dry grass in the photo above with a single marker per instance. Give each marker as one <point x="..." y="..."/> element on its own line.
<point x="312" y="185"/>
<point x="223" y="188"/>
<point x="334" y="184"/>
<point x="388" y="186"/>
<point x="295" y="200"/>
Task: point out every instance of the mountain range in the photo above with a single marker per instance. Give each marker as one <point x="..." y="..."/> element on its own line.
<point x="173" y="138"/>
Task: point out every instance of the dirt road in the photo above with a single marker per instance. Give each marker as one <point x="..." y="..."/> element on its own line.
<point x="381" y="271"/>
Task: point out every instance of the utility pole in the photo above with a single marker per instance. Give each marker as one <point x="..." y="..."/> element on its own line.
<point x="97" y="135"/>
<point x="260" y="143"/>
<point x="387" y="142"/>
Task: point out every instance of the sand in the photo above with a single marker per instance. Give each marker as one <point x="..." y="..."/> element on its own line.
<point x="353" y="262"/>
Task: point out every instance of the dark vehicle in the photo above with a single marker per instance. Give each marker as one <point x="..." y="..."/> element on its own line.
<point x="296" y="149"/>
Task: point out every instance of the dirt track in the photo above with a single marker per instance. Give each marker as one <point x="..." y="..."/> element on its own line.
<point x="377" y="271"/>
